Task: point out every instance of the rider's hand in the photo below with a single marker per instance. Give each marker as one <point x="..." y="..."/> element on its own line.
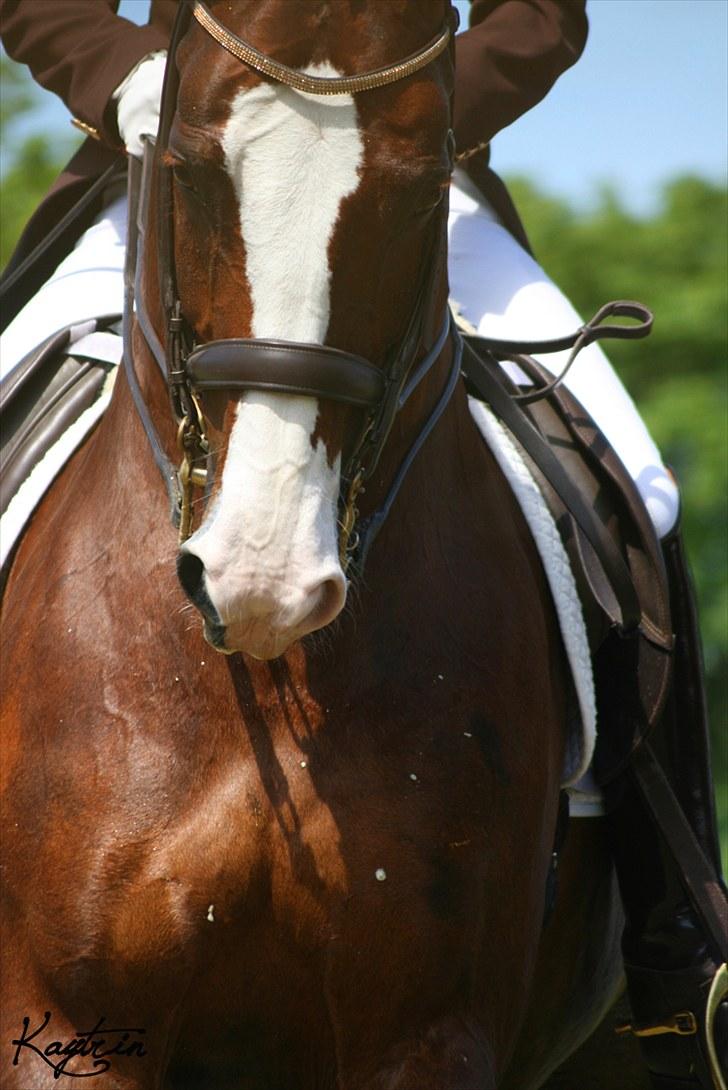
<point x="139" y="97"/>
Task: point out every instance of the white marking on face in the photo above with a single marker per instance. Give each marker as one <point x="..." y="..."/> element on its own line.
<point x="293" y="158"/>
<point x="271" y="542"/>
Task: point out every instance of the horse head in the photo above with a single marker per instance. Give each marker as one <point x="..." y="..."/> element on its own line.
<point x="300" y="219"/>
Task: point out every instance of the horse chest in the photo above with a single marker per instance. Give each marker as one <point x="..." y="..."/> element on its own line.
<point x="300" y="845"/>
<point x="305" y="833"/>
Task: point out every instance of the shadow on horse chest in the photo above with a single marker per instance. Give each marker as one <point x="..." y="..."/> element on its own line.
<point x="248" y="855"/>
<point x="370" y="860"/>
<point x="256" y="848"/>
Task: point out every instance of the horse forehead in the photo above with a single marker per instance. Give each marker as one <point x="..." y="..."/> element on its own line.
<point x="292" y="158"/>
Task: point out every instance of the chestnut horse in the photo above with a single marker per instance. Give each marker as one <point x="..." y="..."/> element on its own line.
<point x="316" y="860"/>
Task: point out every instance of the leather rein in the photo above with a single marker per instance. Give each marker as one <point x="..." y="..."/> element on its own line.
<point x="239" y="364"/>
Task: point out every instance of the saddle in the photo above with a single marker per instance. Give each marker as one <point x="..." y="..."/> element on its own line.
<point x="45" y="394"/>
<point x="49" y="402"/>
<point x="608" y="535"/>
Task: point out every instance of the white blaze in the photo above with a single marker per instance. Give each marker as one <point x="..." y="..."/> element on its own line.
<point x="272" y="534"/>
<point x="292" y="158"/>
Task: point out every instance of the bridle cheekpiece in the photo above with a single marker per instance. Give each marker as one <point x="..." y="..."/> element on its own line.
<point x="241" y="364"/>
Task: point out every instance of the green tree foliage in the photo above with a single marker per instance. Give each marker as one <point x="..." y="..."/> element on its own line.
<point x="28" y="163"/>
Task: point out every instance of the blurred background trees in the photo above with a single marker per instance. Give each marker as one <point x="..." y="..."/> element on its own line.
<point x="675" y="260"/>
<point x="29" y="160"/>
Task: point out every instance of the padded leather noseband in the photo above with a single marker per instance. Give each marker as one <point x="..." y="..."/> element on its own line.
<point x="286" y="367"/>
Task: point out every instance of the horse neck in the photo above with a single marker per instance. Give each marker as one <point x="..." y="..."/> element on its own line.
<point x="118" y="491"/>
<point x="437" y="459"/>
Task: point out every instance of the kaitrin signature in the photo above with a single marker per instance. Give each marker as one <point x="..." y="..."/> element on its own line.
<point x="95" y="1045"/>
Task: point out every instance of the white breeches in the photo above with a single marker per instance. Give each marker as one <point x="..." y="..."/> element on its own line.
<point x="506" y="295"/>
<point x="499" y="288"/>
<point x="89" y="283"/>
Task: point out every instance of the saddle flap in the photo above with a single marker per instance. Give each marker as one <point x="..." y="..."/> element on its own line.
<point x="632" y="663"/>
<point x="631" y="673"/>
<point x="43" y="396"/>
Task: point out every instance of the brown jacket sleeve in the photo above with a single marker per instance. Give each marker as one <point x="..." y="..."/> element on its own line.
<point x="81" y="50"/>
<point x="507" y="61"/>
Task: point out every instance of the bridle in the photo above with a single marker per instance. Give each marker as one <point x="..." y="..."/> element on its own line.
<point x="238" y="364"/>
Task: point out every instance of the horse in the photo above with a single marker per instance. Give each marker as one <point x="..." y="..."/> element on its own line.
<point x="310" y="850"/>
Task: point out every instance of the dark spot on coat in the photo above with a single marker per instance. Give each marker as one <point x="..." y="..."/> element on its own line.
<point x="446" y="890"/>
<point x="487" y="736"/>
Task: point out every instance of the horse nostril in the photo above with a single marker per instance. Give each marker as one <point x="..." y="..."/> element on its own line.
<point x="331" y="598"/>
<point x="190" y="572"/>
<point x="333" y="593"/>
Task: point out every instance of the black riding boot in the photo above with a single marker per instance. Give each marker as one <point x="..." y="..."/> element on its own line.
<point x="671" y="959"/>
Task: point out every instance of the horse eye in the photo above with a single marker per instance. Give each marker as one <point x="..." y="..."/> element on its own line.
<point x="183" y="176"/>
<point x="427" y="209"/>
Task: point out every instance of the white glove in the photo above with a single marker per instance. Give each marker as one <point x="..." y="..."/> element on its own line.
<point x="139" y="98"/>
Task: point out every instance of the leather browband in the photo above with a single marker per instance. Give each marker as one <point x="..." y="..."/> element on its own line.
<point x="323" y="85"/>
<point x="286" y="367"/>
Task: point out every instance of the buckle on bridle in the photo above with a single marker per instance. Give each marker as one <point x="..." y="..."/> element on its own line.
<point x="193" y="442"/>
<point x="348" y="538"/>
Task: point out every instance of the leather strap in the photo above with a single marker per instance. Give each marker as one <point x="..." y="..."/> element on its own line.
<point x="698" y="874"/>
<point x="39" y="401"/>
<point x="13" y="383"/>
<point x="593" y="330"/>
<point x="286" y="367"/>
<point x="372" y="524"/>
<point x="136" y="247"/>
<point x="646" y="564"/>
<point x="480" y="372"/>
<point x="131" y="265"/>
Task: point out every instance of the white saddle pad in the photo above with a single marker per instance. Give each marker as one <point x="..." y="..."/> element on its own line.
<point x="585" y="796"/>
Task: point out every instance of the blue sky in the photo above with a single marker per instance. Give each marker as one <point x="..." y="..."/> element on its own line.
<point x="648" y="99"/>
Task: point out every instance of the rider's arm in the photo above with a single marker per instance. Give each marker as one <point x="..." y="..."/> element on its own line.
<point x="513" y="53"/>
<point x="81" y="50"/>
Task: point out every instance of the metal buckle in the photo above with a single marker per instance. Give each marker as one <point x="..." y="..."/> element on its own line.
<point x="348" y="543"/>
<point x="193" y="443"/>
<point x="684" y="1024"/>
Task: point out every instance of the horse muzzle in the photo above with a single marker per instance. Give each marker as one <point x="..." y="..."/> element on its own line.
<point x="257" y="616"/>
